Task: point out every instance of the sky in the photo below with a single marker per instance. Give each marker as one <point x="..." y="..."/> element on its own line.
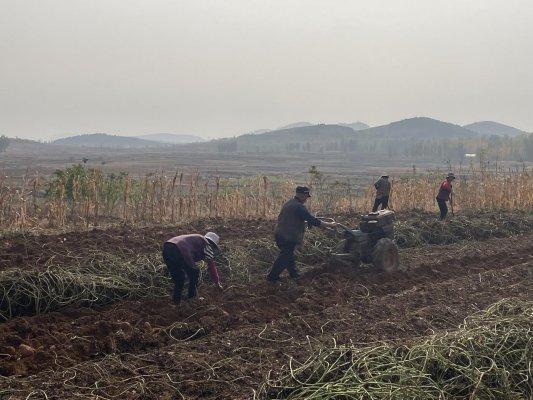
<point x="221" y="68"/>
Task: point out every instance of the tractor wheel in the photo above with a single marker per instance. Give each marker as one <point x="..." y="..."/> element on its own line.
<point x="385" y="256"/>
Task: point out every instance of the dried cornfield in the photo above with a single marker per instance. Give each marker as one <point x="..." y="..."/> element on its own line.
<point x="89" y="197"/>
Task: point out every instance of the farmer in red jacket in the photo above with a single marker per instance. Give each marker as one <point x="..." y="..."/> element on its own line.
<point x="444" y="195"/>
<point x="181" y="253"/>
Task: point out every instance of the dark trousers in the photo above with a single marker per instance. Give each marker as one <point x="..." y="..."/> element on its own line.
<point x="443" y="208"/>
<point x="178" y="268"/>
<point x="285" y="259"/>
<point x="384" y="201"/>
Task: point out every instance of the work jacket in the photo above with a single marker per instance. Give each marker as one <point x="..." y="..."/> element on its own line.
<point x="291" y="221"/>
<point x="382" y="188"/>
<point x="445" y="190"/>
<point x="194" y="248"/>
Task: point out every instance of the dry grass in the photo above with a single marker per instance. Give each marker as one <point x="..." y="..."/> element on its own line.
<point x="86" y="197"/>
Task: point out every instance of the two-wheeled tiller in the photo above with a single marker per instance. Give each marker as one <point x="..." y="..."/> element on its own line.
<point x="373" y="243"/>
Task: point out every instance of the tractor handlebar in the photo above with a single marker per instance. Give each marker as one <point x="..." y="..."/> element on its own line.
<point x="340" y="228"/>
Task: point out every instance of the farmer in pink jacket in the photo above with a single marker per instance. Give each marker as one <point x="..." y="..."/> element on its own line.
<point x="181" y="253"/>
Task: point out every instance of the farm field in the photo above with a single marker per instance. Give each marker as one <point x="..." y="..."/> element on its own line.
<point x="205" y="200"/>
<point x="21" y="160"/>
<point x="100" y="340"/>
<point x="142" y="161"/>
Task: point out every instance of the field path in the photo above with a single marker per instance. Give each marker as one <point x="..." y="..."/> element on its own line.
<point x="223" y="346"/>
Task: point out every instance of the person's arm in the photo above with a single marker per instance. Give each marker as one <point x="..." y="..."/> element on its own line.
<point x="312" y="220"/>
<point x="377" y="184"/>
<point x="212" y="268"/>
<point x="209" y="254"/>
<point x="304" y="213"/>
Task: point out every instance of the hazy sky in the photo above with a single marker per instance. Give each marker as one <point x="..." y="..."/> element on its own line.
<point x="218" y="68"/>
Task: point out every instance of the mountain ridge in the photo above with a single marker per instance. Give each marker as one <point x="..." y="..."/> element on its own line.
<point x="356" y="126"/>
<point x="493" y="128"/>
<point x="420" y="128"/>
<point x="105" y="140"/>
<point x="171" y="138"/>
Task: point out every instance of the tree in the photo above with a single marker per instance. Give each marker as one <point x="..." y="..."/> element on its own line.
<point x="4" y="143"/>
<point x="227" y="146"/>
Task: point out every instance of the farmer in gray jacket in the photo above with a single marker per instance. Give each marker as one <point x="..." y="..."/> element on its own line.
<point x="383" y="188"/>
<point x="290" y="232"/>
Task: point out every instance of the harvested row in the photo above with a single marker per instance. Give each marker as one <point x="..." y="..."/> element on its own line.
<point x="222" y="348"/>
<point x="101" y="277"/>
<point x="489" y="356"/>
<point x="26" y="250"/>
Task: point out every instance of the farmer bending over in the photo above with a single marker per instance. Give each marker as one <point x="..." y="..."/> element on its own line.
<point x="181" y="253"/>
<point x="444" y="195"/>
<point x="290" y="232"/>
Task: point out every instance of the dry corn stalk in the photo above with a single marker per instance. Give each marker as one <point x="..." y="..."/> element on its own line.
<point x="157" y="198"/>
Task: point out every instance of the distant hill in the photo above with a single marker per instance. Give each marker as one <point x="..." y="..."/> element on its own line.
<point x="412" y="139"/>
<point x="419" y="128"/>
<point x="356" y="126"/>
<point x="105" y="140"/>
<point x="304" y="133"/>
<point x="306" y="138"/>
<point x="171" y="138"/>
<point x="389" y="138"/>
<point x="493" y="128"/>
<point x="257" y="132"/>
<point x="295" y="125"/>
<point x="16" y="146"/>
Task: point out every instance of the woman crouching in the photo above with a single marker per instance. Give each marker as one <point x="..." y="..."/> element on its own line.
<point x="181" y="253"/>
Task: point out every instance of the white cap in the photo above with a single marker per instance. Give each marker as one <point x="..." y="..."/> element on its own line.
<point x="212" y="237"/>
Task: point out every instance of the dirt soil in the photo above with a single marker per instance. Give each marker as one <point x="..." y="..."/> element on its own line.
<point x="35" y="251"/>
<point x="25" y="250"/>
<point x="223" y="345"/>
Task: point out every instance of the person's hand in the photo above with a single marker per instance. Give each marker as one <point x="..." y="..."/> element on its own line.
<point x="219" y="285"/>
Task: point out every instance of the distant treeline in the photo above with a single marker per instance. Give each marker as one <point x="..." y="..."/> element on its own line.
<point x="4" y="143"/>
<point x="519" y="148"/>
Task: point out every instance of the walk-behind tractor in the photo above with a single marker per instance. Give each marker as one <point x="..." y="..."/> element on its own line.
<point x="372" y="243"/>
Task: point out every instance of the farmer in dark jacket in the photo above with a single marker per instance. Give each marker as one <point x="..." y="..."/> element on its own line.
<point x="290" y="232"/>
<point x="181" y="253"/>
<point x="383" y="188"/>
<point x="444" y="195"/>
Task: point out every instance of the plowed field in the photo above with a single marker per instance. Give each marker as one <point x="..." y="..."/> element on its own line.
<point x="223" y="344"/>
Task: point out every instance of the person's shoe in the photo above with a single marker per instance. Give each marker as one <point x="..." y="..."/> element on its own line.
<point x="272" y="279"/>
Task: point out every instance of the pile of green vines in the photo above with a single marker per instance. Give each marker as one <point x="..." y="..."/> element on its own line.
<point x="488" y="357"/>
<point x="415" y="232"/>
<point x="98" y="280"/>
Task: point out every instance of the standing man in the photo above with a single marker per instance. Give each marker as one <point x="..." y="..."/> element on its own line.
<point x="444" y="195"/>
<point x="290" y="232"/>
<point x="181" y="253"/>
<point x="382" y="192"/>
